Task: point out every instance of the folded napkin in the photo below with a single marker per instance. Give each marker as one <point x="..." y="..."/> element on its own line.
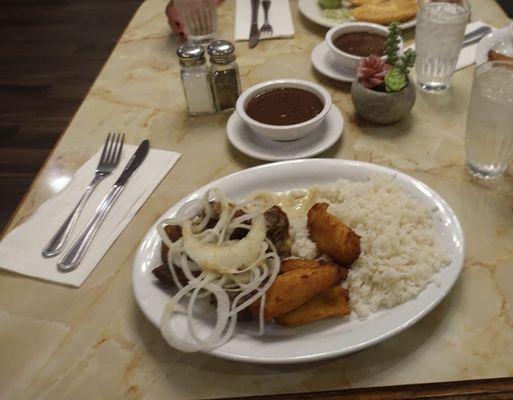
<point x="20" y="250"/>
<point x="468" y="53"/>
<point x="279" y="18"/>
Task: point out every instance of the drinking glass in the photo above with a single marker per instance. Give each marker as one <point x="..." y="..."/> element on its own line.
<point x="199" y="19"/>
<point x="438" y="39"/>
<point x="489" y="136"/>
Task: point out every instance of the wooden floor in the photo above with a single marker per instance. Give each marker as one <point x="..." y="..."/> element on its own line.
<point x="50" y="53"/>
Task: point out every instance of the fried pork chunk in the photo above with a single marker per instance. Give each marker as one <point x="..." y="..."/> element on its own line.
<point x="277" y="224"/>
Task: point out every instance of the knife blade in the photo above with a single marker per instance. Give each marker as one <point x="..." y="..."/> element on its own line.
<point x="134" y="162"/>
<point x="476" y="35"/>
<point x="74" y="255"/>
<point x="254" y="35"/>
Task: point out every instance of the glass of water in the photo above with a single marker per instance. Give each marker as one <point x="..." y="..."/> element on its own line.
<point x="199" y="19"/>
<point x="438" y="39"/>
<point x="489" y="137"/>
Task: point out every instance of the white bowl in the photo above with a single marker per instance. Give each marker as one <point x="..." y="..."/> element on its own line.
<point x="284" y="132"/>
<point x="349" y="60"/>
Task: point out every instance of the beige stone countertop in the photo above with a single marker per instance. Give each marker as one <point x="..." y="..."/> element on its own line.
<point x="93" y="342"/>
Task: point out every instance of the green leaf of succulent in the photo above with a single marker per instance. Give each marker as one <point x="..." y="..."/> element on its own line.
<point x="401" y="63"/>
<point x="395" y="80"/>
<point x="392" y="43"/>
<point x="406" y="61"/>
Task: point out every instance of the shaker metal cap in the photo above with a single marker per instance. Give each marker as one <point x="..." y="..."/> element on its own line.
<point x="191" y="53"/>
<point x="221" y="51"/>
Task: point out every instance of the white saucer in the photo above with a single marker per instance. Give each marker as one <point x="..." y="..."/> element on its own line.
<point x="325" y="63"/>
<point x="244" y="139"/>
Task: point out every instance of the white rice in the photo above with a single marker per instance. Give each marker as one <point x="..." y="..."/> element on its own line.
<point x="399" y="254"/>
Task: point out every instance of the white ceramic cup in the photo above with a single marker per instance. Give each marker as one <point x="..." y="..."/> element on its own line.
<point x="284" y="132"/>
<point x="349" y="60"/>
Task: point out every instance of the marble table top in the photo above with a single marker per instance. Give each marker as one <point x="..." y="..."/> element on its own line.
<point x="63" y="343"/>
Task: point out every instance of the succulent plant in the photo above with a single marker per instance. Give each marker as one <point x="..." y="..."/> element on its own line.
<point x="371" y="71"/>
<point x="390" y="75"/>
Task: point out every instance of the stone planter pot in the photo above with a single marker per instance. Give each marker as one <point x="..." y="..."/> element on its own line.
<point x="381" y="107"/>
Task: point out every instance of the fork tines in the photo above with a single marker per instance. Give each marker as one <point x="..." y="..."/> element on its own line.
<point x="112" y="149"/>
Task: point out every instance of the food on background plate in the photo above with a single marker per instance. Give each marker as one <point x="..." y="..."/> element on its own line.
<point x="356" y="3"/>
<point x="377" y="11"/>
<point x="330" y="4"/>
<point x="362" y="44"/>
<point x="337" y="14"/>
<point x="284" y="106"/>
<point x="385" y="11"/>
<point x="383" y="236"/>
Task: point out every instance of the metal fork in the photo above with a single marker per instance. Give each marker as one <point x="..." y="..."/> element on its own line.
<point x="266" y="30"/>
<point x="109" y="160"/>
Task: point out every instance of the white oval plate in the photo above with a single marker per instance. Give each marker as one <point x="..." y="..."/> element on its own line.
<point x="244" y="139"/>
<point x="323" y="339"/>
<point x="312" y="11"/>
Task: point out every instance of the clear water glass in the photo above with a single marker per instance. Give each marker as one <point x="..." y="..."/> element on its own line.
<point x="438" y="39"/>
<point x="199" y="18"/>
<point x="489" y="135"/>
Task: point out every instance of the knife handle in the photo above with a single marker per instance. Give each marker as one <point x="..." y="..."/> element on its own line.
<point x="59" y="239"/>
<point x="254" y="11"/>
<point x="74" y="255"/>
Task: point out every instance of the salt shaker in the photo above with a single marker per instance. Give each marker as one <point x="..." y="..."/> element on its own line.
<point x="195" y="79"/>
<point x="224" y="74"/>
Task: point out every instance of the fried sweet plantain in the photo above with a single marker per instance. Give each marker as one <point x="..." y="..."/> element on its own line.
<point x="332" y="236"/>
<point x="296" y="263"/>
<point x="331" y="303"/>
<point x="294" y="288"/>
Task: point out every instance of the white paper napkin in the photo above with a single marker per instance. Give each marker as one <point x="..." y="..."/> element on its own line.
<point x="20" y="250"/>
<point x="468" y="53"/>
<point x="279" y="18"/>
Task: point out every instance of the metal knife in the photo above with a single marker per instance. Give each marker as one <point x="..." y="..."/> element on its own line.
<point x="74" y="255"/>
<point x="254" y="34"/>
<point x="476" y="35"/>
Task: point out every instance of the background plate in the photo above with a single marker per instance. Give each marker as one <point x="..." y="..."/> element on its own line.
<point x="312" y="11"/>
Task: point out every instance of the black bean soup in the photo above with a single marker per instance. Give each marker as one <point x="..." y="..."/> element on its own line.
<point x="362" y="44"/>
<point x="284" y="106"/>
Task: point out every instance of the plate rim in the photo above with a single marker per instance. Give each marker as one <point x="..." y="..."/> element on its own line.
<point x="329" y="143"/>
<point x="322" y="71"/>
<point x="459" y="256"/>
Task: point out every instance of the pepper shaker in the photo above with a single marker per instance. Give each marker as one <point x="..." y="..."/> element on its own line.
<point x="194" y="75"/>
<point x="224" y="74"/>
